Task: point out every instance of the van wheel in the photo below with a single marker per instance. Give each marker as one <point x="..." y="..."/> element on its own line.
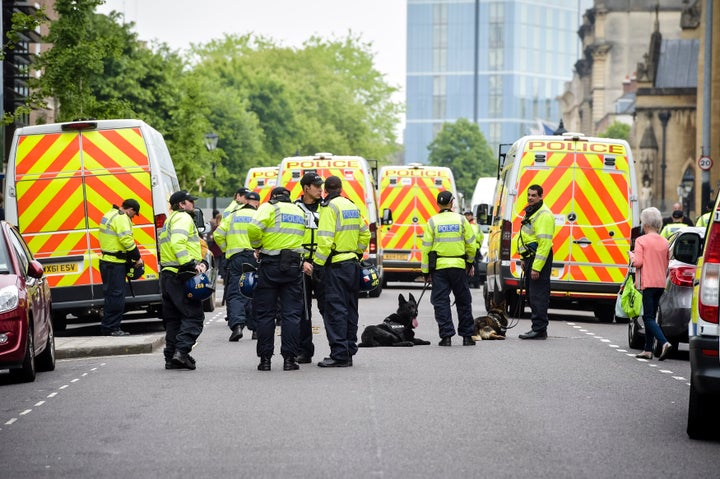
<point x="604" y="313"/>
<point x="702" y="416"/>
<point x="59" y="321"/>
<point x="26" y="372"/>
<point x="486" y="296"/>
<point x="46" y="359"/>
<point x="514" y="303"/>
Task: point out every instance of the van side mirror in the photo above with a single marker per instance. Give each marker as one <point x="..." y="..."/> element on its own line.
<point x="387" y="218"/>
<point x="482" y="215"/>
<point x="199" y="220"/>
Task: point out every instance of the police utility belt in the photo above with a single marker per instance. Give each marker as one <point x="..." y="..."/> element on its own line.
<point x="530" y="250"/>
<point x="118" y="254"/>
<point x="287" y="259"/>
<point x="433" y="257"/>
<point x="334" y="253"/>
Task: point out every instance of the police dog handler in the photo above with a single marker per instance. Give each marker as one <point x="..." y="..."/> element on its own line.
<point x="534" y="243"/>
<point x="118" y="252"/>
<point x="448" y="254"/>
<point x="278" y="229"/>
<point x="343" y="236"/>
<point x="180" y="259"/>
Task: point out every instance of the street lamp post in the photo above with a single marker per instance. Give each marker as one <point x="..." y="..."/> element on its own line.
<point x="664" y="117"/>
<point x="211" y="140"/>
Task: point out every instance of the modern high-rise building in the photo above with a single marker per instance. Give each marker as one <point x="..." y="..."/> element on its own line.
<point x="499" y="63"/>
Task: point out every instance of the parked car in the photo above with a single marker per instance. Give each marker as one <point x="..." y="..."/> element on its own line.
<point x="27" y="343"/>
<point x="673" y="313"/>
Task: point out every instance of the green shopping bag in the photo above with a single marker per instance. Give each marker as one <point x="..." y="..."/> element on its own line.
<point x="631" y="299"/>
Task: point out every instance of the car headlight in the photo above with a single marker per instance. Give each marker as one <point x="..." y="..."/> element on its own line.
<point x="9" y="297"/>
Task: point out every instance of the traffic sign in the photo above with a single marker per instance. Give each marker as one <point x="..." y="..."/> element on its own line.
<point x="705" y="163"/>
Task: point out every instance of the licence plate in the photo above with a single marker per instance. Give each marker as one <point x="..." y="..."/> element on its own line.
<point x="61" y="268"/>
<point x="396" y="256"/>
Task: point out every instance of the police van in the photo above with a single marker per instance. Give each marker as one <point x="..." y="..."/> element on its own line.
<point x="62" y="178"/>
<point x="408" y="195"/>
<point x="591" y="187"/>
<point x="358" y="183"/>
<point x="262" y="180"/>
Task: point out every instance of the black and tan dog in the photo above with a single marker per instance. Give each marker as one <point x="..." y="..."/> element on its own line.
<point x="492" y="326"/>
<point x="397" y="329"/>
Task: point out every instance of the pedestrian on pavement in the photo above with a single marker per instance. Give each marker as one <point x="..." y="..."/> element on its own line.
<point x="670" y="219"/>
<point x="238" y="201"/>
<point x="674" y="226"/>
<point x="180" y="259"/>
<point x="343" y="235"/>
<point x="277" y="229"/>
<point x="232" y="238"/>
<point x="534" y="243"/>
<point x="650" y="258"/>
<point x="119" y="253"/>
<point x="309" y="202"/>
<point x="448" y="253"/>
<point x="479" y="237"/>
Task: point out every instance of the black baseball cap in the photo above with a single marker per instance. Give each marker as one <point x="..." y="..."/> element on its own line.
<point x="179" y="196"/>
<point x="444" y="198"/>
<point x="251" y="195"/>
<point x="242" y="191"/>
<point x="311" y="179"/>
<point x="279" y="191"/>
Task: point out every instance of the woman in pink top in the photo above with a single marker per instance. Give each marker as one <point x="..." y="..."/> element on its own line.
<point x="650" y="259"/>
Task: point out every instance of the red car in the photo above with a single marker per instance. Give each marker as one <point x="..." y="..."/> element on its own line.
<point x="27" y="343"/>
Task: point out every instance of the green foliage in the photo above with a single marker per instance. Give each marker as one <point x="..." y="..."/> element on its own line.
<point x="617" y="130"/>
<point x="462" y="147"/>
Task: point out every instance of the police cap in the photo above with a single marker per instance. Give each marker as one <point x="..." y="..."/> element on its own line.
<point x="251" y="195"/>
<point x="279" y="191"/>
<point x="179" y="196"/>
<point x="444" y="198"/>
<point x="311" y="179"/>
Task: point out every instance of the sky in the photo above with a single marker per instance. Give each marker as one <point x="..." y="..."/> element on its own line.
<point x="289" y="22"/>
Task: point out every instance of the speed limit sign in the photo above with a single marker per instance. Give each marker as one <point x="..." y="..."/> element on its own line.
<point x="705" y="163"/>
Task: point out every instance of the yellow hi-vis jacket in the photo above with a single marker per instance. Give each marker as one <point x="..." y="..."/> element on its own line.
<point x="703" y="220"/>
<point x="342" y="231"/>
<point x="116" y="238"/>
<point x="231" y="235"/>
<point x="179" y="242"/>
<point x="538" y="229"/>
<point x="234" y="205"/>
<point x="671" y="228"/>
<point x="479" y="235"/>
<point x="452" y="237"/>
<point x="277" y="226"/>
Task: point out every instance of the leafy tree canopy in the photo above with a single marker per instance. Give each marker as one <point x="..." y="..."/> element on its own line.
<point x="462" y="147"/>
<point x="617" y="130"/>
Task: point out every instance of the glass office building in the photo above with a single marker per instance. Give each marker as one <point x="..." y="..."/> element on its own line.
<point x="502" y="67"/>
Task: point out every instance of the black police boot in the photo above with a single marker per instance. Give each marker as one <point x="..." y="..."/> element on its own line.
<point x="237" y="333"/>
<point x="468" y="341"/>
<point x="183" y="360"/>
<point x="290" y="364"/>
<point x="264" y="363"/>
<point x="446" y="341"/>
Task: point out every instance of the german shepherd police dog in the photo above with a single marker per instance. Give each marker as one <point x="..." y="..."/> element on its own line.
<point x="492" y="326"/>
<point x="396" y="329"/>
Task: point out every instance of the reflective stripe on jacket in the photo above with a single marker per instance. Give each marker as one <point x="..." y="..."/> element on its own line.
<point x="231" y="235"/>
<point x="116" y="235"/>
<point x="276" y="227"/>
<point x="452" y="237"/>
<point x="671" y="228"/>
<point x="539" y="229"/>
<point x="342" y="231"/>
<point x="179" y="241"/>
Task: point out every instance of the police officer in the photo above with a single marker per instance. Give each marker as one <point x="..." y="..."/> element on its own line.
<point x="479" y="237"/>
<point x="534" y="243"/>
<point x="118" y="252"/>
<point x="238" y="201"/>
<point x="343" y="235"/>
<point x="232" y="237"/>
<point x="675" y="225"/>
<point x="180" y="259"/>
<point x="309" y="202"/>
<point x="277" y="229"/>
<point x="448" y="253"/>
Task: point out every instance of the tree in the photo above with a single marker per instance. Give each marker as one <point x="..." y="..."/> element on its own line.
<point x="617" y="130"/>
<point x="462" y="147"/>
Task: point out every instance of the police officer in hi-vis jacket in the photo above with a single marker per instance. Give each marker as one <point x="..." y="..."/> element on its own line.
<point x="534" y="243"/>
<point x="448" y="256"/>
<point x="277" y="229"/>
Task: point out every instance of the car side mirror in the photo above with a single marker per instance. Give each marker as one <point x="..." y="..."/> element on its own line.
<point x="387" y="218"/>
<point x="35" y="269"/>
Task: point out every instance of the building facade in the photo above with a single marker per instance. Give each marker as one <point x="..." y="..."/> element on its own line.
<point x="501" y="64"/>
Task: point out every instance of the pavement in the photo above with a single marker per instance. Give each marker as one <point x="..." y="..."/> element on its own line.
<point x="87" y="346"/>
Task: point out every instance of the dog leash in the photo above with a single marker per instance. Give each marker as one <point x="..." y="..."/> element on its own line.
<point x="427" y="283"/>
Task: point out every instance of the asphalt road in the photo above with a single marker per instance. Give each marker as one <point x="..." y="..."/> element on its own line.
<point x="578" y="405"/>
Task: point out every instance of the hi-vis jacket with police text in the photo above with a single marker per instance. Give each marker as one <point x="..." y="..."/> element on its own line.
<point x="312" y="219"/>
<point x="342" y="231"/>
<point x="179" y="242"/>
<point x="671" y="228"/>
<point x="452" y="237"/>
<point x="539" y="228"/>
<point x="277" y="226"/>
<point x="116" y="238"/>
<point x="231" y="235"/>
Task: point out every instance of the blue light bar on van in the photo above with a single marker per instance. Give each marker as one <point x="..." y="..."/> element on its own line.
<point x="79" y="125"/>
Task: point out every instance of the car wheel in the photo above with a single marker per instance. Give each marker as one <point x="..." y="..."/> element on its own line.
<point x="209" y="304"/>
<point x="635" y="340"/>
<point x="702" y="415"/>
<point x="46" y="359"/>
<point x="26" y="372"/>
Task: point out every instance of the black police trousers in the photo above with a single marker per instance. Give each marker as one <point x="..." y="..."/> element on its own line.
<point x="340" y="307"/>
<point x="538" y="293"/>
<point x="183" y="317"/>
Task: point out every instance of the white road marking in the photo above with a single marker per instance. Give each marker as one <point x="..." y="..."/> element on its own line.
<point x="27" y="411"/>
<point x="11" y="421"/>
<point x="39" y="403"/>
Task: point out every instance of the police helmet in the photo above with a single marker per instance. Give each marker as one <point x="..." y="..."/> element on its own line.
<point x="369" y="278"/>
<point x="248" y="283"/>
<point x="199" y="287"/>
<point x="136" y="272"/>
